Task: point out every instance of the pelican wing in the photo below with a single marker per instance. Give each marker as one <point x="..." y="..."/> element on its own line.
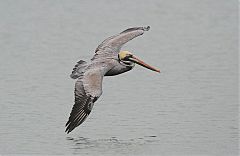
<point x="114" y="43"/>
<point x="88" y="89"/>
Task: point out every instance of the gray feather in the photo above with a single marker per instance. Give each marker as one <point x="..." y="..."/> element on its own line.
<point x="78" y="69"/>
<point x="88" y="87"/>
<point x="113" y="44"/>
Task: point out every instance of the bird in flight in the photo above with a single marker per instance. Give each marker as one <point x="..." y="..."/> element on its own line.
<point x="107" y="61"/>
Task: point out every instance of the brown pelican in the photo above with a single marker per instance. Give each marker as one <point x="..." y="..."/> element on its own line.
<point x="107" y="61"/>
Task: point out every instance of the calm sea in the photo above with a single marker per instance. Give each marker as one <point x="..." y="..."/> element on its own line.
<point x="190" y="108"/>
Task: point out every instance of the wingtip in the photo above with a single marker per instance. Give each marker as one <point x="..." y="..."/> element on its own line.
<point x="68" y="130"/>
<point x="146" y="28"/>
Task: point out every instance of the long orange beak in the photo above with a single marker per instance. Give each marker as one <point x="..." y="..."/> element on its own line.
<point x="141" y="63"/>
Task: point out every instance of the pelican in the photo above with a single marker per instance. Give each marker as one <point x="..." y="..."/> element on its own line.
<point x="107" y="61"/>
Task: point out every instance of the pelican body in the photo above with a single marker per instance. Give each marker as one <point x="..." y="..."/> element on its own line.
<point x="107" y="61"/>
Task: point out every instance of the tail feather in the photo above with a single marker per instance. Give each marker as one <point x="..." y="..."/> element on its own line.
<point x="78" y="69"/>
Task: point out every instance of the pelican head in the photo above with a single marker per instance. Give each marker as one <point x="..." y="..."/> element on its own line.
<point x="129" y="59"/>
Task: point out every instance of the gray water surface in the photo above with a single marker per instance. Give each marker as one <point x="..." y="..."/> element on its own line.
<point x="190" y="108"/>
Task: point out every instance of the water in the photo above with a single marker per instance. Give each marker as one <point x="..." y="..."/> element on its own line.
<point x="191" y="108"/>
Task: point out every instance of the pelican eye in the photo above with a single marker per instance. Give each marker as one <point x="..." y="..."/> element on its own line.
<point x="127" y="56"/>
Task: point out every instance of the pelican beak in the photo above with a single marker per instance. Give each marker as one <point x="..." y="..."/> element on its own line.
<point x="141" y="63"/>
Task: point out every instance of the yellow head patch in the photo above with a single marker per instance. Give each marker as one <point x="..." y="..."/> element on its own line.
<point x="123" y="54"/>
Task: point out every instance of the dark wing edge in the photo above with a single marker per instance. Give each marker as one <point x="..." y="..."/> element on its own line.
<point x="80" y="109"/>
<point x="88" y="88"/>
<point x="136" y="28"/>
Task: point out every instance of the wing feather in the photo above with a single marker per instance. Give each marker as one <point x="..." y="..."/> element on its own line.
<point x="88" y="89"/>
<point x="113" y="44"/>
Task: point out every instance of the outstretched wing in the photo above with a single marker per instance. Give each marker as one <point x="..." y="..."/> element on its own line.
<point x="114" y="43"/>
<point x="88" y="89"/>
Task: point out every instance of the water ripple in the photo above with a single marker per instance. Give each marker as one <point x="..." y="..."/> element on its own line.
<point x="110" y="145"/>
